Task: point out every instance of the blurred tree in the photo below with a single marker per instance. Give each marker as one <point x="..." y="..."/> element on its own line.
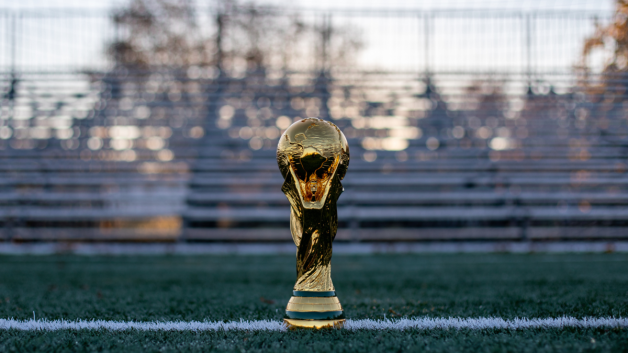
<point x="159" y="33"/>
<point x="438" y="118"/>
<point x="240" y="38"/>
<point x="224" y="57"/>
<point x="606" y="93"/>
<point x="487" y="97"/>
<point x="612" y="39"/>
<point x="487" y="102"/>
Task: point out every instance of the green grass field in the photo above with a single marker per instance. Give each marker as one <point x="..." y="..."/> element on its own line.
<point x="224" y="288"/>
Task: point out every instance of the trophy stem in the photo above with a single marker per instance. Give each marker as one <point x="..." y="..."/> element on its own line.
<point x="314" y="310"/>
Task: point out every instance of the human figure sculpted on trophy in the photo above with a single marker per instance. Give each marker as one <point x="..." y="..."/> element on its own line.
<point x="313" y="156"/>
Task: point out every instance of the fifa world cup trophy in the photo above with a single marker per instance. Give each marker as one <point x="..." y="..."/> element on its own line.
<point x="313" y="157"/>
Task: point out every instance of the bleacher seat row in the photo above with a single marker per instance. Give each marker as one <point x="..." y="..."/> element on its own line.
<point x="104" y="162"/>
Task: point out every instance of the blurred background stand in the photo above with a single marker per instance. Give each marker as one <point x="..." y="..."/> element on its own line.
<point x="157" y="121"/>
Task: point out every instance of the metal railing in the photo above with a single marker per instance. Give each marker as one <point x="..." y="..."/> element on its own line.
<point x="415" y="41"/>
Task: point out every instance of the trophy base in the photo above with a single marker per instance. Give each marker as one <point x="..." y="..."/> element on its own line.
<point x="294" y="324"/>
<point x="314" y="310"/>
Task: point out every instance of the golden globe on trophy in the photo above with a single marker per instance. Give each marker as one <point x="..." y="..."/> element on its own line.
<point x="313" y="156"/>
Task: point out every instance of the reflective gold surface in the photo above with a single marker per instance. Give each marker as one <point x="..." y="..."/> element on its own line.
<point x="309" y="304"/>
<point x="314" y="324"/>
<point x="313" y="157"/>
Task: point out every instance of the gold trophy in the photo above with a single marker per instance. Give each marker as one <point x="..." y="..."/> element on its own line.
<point x="313" y="156"/>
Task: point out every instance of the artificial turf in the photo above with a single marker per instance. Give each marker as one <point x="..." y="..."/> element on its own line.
<point x="225" y="288"/>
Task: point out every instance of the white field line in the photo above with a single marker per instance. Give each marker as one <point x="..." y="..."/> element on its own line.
<point x="265" y="325"/>
<point x="288" y="248"/>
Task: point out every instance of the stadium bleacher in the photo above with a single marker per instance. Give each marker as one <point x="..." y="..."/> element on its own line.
<point x="125" y="157"/>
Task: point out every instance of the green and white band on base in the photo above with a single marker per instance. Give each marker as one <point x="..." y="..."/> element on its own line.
<point x="315" y="315"/>
<point x="302" y="293"/>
